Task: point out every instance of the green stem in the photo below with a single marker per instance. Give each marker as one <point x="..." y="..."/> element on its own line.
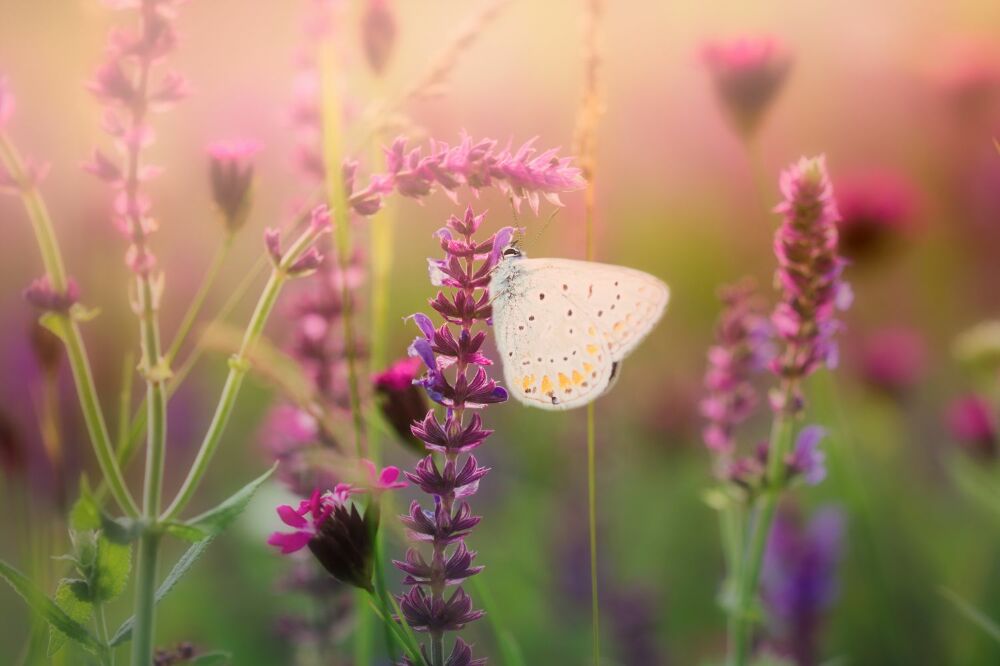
<point x="238" y="367"/>
<point x="75" y="350"/>
<point x="337" y="199"/>
<point x="782" y="430"/>
<point x="108" y="655"/>
<point x="595" y="607"/>
<point x="145" y="590"/>
<point x="199" y="298"/>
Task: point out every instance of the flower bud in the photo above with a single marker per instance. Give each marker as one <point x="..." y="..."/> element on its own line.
<point x="231" y="174"/>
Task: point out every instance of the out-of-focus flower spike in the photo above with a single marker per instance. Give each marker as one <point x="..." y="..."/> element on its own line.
<point x="378" y="33"/>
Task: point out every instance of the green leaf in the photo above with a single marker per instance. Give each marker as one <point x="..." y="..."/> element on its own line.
<point x="111" y="569"/>
<point x="189" y="557"/>
<point x="73" y="596"/>
<point x="48" y="609"/>
<point x="55" y="323"/>
<point x="211" y="522"/>
<point x="973" y="614"/>
<point x="215" y="520"/>
<point x="212" y="659"/>
<point x="85" y="515"/>
<point x="185" y="531"/>
<point x="979" y="484"/>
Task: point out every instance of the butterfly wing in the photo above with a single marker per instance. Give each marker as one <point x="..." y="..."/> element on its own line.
<point x="563" y="326"/>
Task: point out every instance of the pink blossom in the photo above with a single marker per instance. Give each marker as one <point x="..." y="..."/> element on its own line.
<point x="877" y="210"/>
<point x="378" y="33"/>
<point x="44" y="296"/>
<point x="308" y="518"/>
<point x="748" y="73"/>
<point x="893" y="360"/>
<point x="231" y="174"/>
<point x="6" y="102"/>
<point x="382" y="480"/>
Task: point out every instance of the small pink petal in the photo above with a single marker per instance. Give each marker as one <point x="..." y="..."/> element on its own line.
<point x="289" y="543"/>
<point x="291" y="517"/>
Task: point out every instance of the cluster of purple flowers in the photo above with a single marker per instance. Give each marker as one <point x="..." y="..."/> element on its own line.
<point x="129" y="87"/>
<point x="451" y="352"/>
<point x="793" y="342"/>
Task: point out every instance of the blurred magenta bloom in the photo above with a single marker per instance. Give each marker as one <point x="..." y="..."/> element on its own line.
<point x="231" y="174"/>
<point x="799" y="580"/>
<point x="972" y="423"/>
<point x="7" y="102"/>
<point x="809" y="275"/>
<point x="969" y="80"/>
<point x="308" y="518"/>
<point x="748" y="73"/>
<point x="41" y="294"/>
<point x="384" y="479"/>
<point x="876" y="211"/>
<point x="893" y="360"/>
<point x="378" y="33"/>
<point x="400" y="400"/>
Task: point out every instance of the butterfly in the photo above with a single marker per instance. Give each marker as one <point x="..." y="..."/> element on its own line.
<point x="562" y="327"/>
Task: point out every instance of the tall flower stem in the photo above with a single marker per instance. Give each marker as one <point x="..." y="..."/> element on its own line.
<point x="782" y="431"/>
<point x="337" y="198"/>
<point x="591" y="108"/>
<point x="76" y="352"/>
<point x="238" y="368"/>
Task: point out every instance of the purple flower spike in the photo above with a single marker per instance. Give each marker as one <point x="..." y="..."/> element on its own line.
<point x="457" y="377"/>
<point x="809" y="277"/>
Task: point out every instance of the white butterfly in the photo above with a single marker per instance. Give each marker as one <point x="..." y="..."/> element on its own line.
<point x="563" y="327"/>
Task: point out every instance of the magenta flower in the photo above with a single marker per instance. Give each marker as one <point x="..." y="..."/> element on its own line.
<point x="385" y="479"/>
<point x="307" y="519"/>
<point x="972" y="423"/>
<point x="399" y="399"/>
<point x="876" y="212"/>
<point x="231" y="173"/>
<point x="748" y="73"/>
<point x="893" y="360"/>
<point x="809" y="277"/>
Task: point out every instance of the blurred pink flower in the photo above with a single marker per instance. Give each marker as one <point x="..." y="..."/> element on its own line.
<point x="6" y="102"/>
<point x="378" y="33"/>
<point x="231" y="174"/>
<point x="877" y="209"/>
<point x="43" y="296"/>
<point x="969" y="79"/>
<point x="384" y="479"/>
<point x="893" y="360"/>
<point x="748" y="73"/>
<point x="972" y="423"/>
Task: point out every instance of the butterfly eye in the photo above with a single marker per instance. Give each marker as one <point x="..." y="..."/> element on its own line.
<point x="511" y="252"/>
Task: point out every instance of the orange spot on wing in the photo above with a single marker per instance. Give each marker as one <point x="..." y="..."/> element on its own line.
<point x="577" y="378"/>
<point x="564" y="382"/>
<point x="593" y="349"/>
<point x="546" y="384"/>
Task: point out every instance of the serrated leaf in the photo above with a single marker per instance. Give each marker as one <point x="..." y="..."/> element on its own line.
<point x="186" y="532"/>
<point x="73" y="596"/>
<point x="212" y="522"/>
<point x="124" y="632"/>
<point x="215" y="520"/>
<point x="85" y="515"/>
<point x="48" y="609"/>
<point x="111" y="569"/>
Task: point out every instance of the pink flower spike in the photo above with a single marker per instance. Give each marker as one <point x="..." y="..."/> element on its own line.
<point x="320" y="220"/>
<point x="384" y="480"/>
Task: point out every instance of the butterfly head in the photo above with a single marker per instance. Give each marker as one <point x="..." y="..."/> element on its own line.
<point x="512" y="251"/>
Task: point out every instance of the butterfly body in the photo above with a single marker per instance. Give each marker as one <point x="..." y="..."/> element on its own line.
<point x="562" y="326"/>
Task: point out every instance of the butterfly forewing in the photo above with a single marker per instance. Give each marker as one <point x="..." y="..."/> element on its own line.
<point x="562" y="326"/>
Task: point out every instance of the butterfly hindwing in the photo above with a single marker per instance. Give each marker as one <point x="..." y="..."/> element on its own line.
<point x="563" y="326"/>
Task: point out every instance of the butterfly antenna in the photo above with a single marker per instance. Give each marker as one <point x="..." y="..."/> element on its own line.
<point x="538" y="234"/>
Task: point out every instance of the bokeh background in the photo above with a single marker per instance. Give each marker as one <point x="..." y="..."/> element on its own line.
<point x="905" y="91"/>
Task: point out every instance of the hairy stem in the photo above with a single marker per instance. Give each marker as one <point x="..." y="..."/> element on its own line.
<point x="782" y="430"/>
<point x="83" y="378"/>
